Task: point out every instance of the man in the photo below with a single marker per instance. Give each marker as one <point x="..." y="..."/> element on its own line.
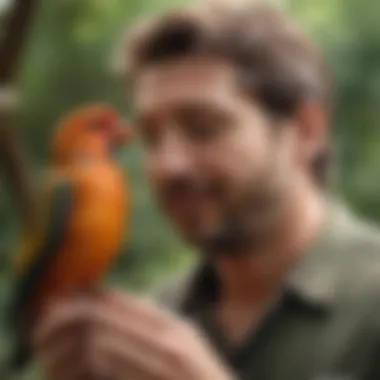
<point x="233" y="110"/>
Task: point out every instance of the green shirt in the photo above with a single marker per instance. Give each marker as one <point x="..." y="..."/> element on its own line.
<point x="326" y="323"/>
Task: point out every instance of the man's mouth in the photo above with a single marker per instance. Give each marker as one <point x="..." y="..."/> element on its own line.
<point x="186" y="204"/>
<point x="185" y="208"/>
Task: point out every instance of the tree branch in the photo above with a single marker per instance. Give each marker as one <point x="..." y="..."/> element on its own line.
<point x="16" y="28"/>
<point x="12" y="157"/>
<point x="17" y="172"/>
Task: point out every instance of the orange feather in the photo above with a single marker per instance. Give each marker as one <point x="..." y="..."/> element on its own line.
<point x="83" y="221"/>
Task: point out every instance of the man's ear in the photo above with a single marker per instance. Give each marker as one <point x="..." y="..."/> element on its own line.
<point x="311" y="121"/>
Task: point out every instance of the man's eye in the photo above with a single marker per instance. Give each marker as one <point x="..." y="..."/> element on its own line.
<point x="202" y="125"/>
<point x="203" y="131"/>
<point x="149" y="138"/>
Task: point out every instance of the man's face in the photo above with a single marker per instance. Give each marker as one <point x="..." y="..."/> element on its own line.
<point x="218" y="166"/>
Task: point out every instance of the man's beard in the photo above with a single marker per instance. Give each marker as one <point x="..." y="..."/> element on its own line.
<point x="251" y="223"/>
<point x="246" y="224"/>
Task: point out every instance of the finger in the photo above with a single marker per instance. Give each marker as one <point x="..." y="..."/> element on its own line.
<point x="72" y="371"/>
<point x="60" y="319"/>
<point x="61" y="361"/>
<point x="127" y="358"/>
<point x="79" y="316"/>
<point x="68" y="360"/>
<point x="74" y="311"/>
<point x="154" y="339"/>
<point x="109" y="369"/>
<point x="139" y="308"/>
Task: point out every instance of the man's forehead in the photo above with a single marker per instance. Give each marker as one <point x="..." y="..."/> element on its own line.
<point x="185" y="80"/>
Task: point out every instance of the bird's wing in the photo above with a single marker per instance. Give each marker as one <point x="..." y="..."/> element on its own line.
<point x="43" y="243"/>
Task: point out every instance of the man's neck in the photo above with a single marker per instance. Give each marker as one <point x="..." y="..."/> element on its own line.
<point x="255" y="277"/>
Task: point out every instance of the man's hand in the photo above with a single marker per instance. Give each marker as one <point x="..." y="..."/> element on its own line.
<point x="116" y="337"/>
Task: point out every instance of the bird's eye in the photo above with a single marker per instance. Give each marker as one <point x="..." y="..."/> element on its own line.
<point x="100" y="124"/>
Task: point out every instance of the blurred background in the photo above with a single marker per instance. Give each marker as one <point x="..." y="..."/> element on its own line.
<point x="64" y="60"/>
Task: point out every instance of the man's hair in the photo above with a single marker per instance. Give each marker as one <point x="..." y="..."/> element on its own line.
<point x="276" y="63"/>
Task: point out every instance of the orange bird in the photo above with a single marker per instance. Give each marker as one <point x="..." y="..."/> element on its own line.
<point x="84" y="217"/>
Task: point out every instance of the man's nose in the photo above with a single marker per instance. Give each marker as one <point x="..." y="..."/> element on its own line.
<point x="173" y="157"/>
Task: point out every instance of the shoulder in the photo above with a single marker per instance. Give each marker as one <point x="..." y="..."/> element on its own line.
<point x="362" y="287"/>
<point x="360" y="262"/>
<point x="362" y="239"/>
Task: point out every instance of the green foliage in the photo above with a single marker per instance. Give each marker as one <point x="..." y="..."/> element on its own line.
<point x="348" y="33"/>
<point x="67" y="64"/>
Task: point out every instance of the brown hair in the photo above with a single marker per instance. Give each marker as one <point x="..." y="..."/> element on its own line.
<point x="276" y="62"/>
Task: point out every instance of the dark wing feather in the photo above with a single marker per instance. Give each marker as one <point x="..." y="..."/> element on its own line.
<point x="58" y="218"/>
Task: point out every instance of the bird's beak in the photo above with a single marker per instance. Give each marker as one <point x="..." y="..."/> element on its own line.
<point x="122" y="134"/>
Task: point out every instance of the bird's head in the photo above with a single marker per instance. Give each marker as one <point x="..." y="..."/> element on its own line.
<point x="90" y="133"/>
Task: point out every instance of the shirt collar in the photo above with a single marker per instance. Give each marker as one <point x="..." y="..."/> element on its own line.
<point x="314" y="280"/>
